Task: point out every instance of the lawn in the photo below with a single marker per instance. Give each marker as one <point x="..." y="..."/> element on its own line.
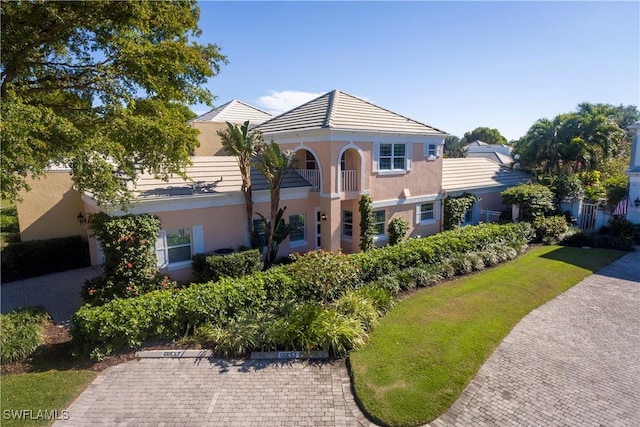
<point x="429" y="347"/>
<point x="37" y="398"/>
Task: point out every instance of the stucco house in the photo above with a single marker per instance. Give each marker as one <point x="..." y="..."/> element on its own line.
<point x="345" y="147"/>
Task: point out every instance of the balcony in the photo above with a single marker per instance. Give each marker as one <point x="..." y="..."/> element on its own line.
<point x="311" y="175"/>
<point x="349" y="180"/>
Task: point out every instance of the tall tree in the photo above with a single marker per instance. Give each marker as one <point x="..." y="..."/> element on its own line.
<point x="103" y="87"/>
<point x="484" y="134"/>
<point x="453" y="147"/>
<point x="583" y="140"/>
<point x="245" y="146"/>
<point x="274" y="165"/>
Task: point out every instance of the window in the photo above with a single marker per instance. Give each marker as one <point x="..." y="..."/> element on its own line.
<point x="260" y="232"/>
<point x="427" y="212"/>
<point x="175" y="248"/>
<point x="298" y="232"/>
<point x="468" y="216"/>
<point x="310" y="161"/>
<point x="179" y="245"/>
<point x="392" y="157"/>
<point x="432" y="150"/>
<point x="343" y="161"/>
<point x="378" y="222"/>
<point x="347" y="223"/>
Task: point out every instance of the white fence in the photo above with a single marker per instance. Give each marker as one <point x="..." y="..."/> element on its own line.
<point x="489" y="216"/>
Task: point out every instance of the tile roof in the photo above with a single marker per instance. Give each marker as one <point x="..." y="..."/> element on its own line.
<point x="479" y="173"/>
<point x="210" y="175"/>
<point x="235" y="112"/>
<point x="338" y="110"/>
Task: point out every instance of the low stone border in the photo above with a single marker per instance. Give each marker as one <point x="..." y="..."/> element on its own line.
<point x="174" y="354"/>
<point x="288" y="355"/>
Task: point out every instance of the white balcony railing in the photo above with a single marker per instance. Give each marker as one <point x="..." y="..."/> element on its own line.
<point x="349" y="180"/>
<point x="489" y="216"/>
<point x="311" y="175"/>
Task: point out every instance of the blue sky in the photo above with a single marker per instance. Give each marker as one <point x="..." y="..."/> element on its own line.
<point x="452" y="65"/>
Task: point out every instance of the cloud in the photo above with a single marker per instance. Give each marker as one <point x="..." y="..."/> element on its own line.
<point x="280" y="101"/>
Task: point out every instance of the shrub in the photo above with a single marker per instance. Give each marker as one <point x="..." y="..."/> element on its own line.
<point x="9" y="220"/>
<point x="322" y="276"/>
<point x="595" y="240"/>
<point x="210" y="268"/>
<point x="21" y="333"/>
<point x="381" y="299"/>
<point x="130" y="265"/>
<point x="22" y="260"/>
<point x="397" y="230"/>
<point x="389" y="283"/>
<point x="534" y="200"/>
<point x="477" y="263"/>
<point x="455" y="209"/>
<point x="550" y="229"/>
<point x="359" y="307"/>
<point x="367" y="229"/>
<point x="462" y="264"/>
<point x="621" y="227"/>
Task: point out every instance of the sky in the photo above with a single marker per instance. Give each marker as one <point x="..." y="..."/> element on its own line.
<point x="451" y="65"/>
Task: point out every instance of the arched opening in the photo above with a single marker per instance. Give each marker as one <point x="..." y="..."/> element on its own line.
<point x="309" y="167"/>
<point x="350" y="170"/>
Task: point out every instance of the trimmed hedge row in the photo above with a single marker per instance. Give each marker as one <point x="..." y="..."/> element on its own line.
<point x="315" y="278"/>
<point x="33" y="258"/>
<point x="210" y="268"/>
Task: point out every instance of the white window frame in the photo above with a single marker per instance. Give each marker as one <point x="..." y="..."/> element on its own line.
<point x="383" y="235"/>
<point x="344" y="222"/>
<point x="429" y="153"/>
<point x="196" y="246"/>
<point x="302" y="241"/>
<point x="435" y="210"/>
<point x="407" y="158"/>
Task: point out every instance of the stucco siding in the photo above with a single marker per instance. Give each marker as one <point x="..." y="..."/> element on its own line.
<point x="50" y="209"/>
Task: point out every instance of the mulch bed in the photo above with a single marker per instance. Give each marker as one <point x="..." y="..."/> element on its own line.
<point x="57" y="353"/>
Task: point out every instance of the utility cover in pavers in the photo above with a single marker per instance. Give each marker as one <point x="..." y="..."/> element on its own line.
<point x="174" y="354"/>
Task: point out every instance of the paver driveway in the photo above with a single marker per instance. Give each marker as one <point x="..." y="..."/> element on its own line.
<point x="575" y="361"/>
<point x="210" y="392"/>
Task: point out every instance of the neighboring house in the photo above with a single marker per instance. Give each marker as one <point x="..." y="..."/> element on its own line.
<point x="211" y="122"/>
<point x="497" y="152"/>
<point x="345" y="147"/>
<point x="483" y="178"/>
<point x="633" y="212"/>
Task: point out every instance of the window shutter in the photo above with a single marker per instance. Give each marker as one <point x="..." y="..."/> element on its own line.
<point x="409" y="156"/>
<point x="376" y="156"/>
<point x="417" y="214"/>
<point x="437" y="207"/>
<point x="161" y="249"/>
<point x="198" y="239"/>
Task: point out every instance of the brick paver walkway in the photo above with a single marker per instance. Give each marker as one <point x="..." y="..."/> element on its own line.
<point x="58" y="293"/>
<point x="210" y="392"/>
<point x="573" y="362"/>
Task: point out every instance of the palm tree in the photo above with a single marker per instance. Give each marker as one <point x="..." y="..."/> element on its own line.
<point x="454" y="147"/>
<point x="245" y="146"/>
<point x="274" y="165"/>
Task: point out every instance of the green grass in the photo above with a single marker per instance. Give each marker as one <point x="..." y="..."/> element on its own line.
<point x="429" y="347"/>
<point x="40" y="391"/>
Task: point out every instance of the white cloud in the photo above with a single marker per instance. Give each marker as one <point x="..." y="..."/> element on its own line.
<point x="280" y="101"/>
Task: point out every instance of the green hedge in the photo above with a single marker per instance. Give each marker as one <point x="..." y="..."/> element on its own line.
<point x="209" y="268"/>
<point x="22" y="260"/>
<point x="315" y="278"/>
